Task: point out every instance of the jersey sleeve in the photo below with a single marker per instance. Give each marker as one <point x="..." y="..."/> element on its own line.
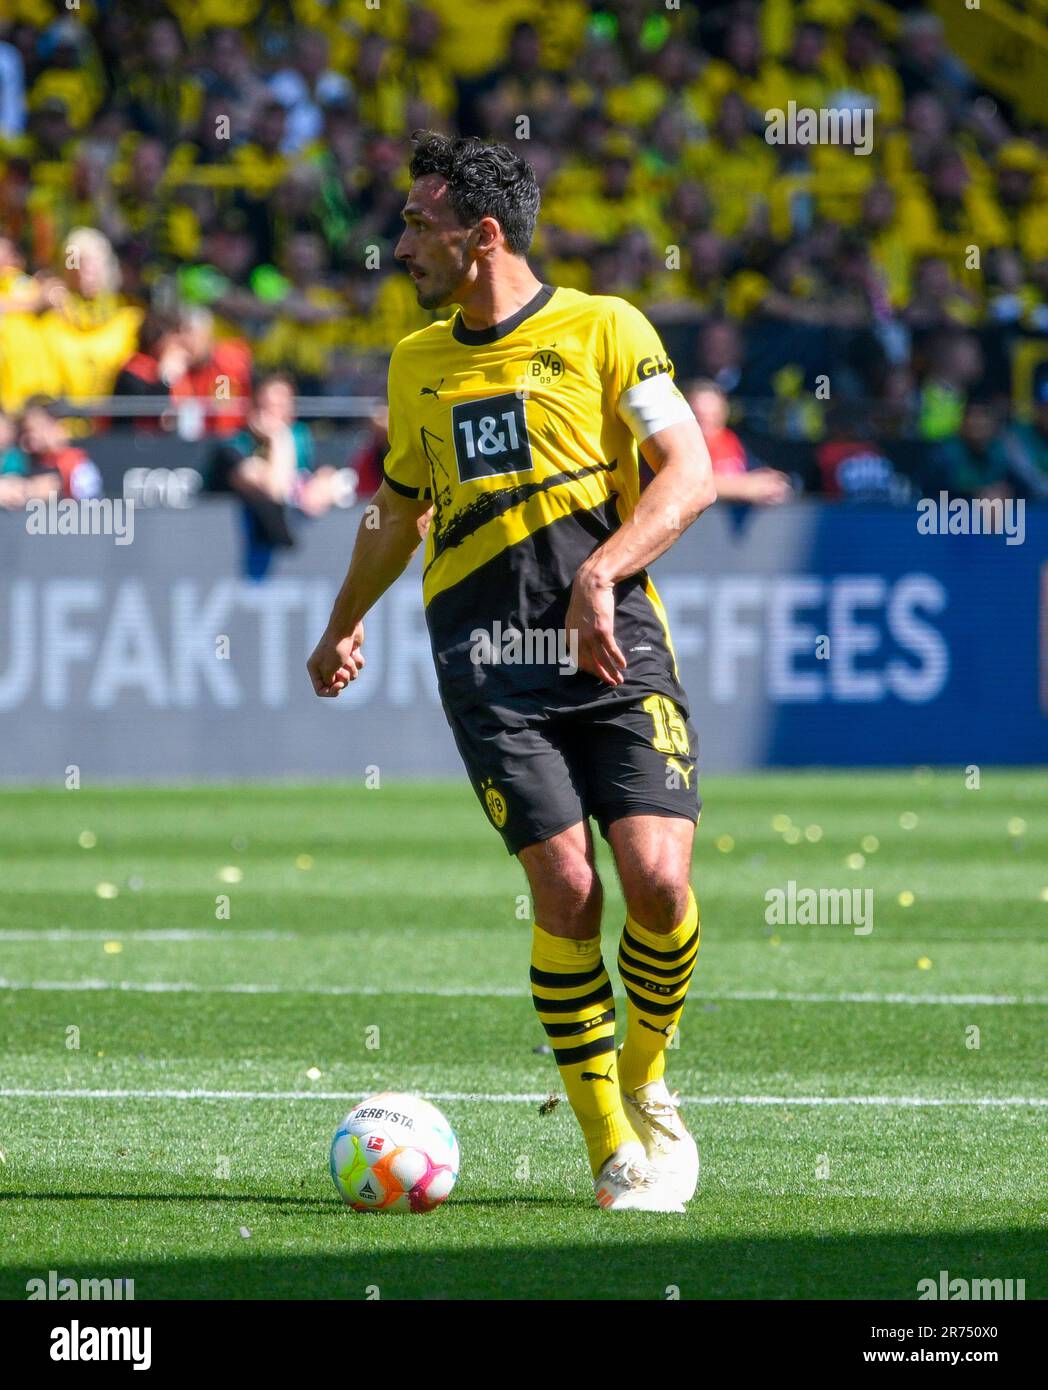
<point x="405" y="467"/>
<point x="638" y="374"/>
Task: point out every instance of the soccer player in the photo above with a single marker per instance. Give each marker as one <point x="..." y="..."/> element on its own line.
<point x="514" y="431"/>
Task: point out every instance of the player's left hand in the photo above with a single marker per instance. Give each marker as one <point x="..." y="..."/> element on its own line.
<point x="590" y="622"/>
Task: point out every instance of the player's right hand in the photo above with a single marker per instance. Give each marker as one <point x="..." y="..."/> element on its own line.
<point x="335" y="663"/>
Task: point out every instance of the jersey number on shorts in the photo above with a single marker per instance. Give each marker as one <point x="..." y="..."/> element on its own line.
<point x="491" y="437"/>
<point x="671" y="733"/>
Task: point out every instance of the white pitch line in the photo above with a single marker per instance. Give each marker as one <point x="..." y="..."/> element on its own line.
<point x="506" y="992"/>
<point x="67" y="934"/>
<point x="868" y="997"/>
<point x="190" y="987"/>
<point x="521" y="1098"/>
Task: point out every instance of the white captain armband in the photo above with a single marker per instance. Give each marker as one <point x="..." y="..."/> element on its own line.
<point x="653" y="404"/>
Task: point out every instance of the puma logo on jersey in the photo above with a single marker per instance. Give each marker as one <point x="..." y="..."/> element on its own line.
<point x="597" y="1075"/>
<point x="431" y="390"/>
<point x="681" y="770"/>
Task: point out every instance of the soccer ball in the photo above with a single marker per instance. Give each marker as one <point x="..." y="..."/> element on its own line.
<point x="394" y="1152"/>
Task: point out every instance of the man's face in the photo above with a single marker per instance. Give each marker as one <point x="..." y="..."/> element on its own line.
<point x="38" y="432"/>
<point x="197" y="340"/>
<point x="275" y="404"/>
<point x="436" y="249"/>
<point x="710" y="409"/>
<point x="978" y="426"/>
<point x="162" y="44"/>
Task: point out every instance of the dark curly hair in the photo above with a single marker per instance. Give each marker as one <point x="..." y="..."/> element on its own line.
<point x="484" y="180"/>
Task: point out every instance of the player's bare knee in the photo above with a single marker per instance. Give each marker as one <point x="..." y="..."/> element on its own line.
<point x="567" y="893"/>
<point x="660" y="902"/>
<point x="575" y="897"/>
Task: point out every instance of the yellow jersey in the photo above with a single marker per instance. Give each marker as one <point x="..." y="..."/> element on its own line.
<point x="524" y="437"/>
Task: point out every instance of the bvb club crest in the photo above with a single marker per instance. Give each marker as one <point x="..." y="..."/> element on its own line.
<point x="495" y="805"/>
<point x="545" y="368"/>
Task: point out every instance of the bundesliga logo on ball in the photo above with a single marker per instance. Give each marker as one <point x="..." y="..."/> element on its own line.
<point x="394" y="1152"/>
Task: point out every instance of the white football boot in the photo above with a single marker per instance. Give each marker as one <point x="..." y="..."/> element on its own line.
<point x="628" y="1182"/>
<point x="669" y="1148"/>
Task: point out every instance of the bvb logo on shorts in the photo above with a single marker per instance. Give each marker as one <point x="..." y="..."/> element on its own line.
<point x="546" y="368"/>
<point x="495" y="805"/>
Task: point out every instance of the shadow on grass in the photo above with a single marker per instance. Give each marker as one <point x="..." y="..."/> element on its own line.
<point x="633" y="1255"/>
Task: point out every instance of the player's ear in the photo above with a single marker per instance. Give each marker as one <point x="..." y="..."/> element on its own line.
<point x="488" y="230"/>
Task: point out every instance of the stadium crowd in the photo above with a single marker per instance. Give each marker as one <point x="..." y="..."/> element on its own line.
<point x="198" y="193"/>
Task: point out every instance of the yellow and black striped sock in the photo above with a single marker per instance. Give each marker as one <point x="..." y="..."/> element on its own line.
<point x="655" y="968"/>
<point x="572" y="994"/>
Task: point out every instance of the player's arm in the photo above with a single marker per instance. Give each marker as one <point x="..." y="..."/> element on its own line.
<point x="682" y="488"/>
<point x="386" y="541"/>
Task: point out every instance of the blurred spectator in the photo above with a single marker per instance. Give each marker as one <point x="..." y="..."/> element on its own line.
<point x="896" y="406"/>
<point x="162" y="358"/>
<point x="12" y="466"/>
<point x="936" y="300"/>
<point x="234" y="85"/>
<point x="720" y="353"/>
<point x="162" y="98"/>
<point x="367" y="460"/>
<point x="212" y="392"/>
<point x="306" y="87"/>
<point x="306" y="329"/>
<point x="1021" y="203"/>
<point x="1008" y="301"/>
<point x="864" y="69"/>
<point x="925" y="64"/>
<point x="45" y="459"/>
<point x="955" y="364"/>
<point x="735" y="480"/>
<point x="69" y="72"/>
<point x="1027" y="445"/>
<point x="854" y="468"/>
<point x="88" y="332"/>
<point x="269" y="465"/>
<point x="19" y="293"/>
<point x="975" y="462"/>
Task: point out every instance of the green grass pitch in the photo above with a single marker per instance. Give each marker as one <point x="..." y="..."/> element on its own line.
<point x="853" y="1138"/>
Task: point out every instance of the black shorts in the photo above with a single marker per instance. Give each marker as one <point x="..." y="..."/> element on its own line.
<point x="537" y="772"/>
